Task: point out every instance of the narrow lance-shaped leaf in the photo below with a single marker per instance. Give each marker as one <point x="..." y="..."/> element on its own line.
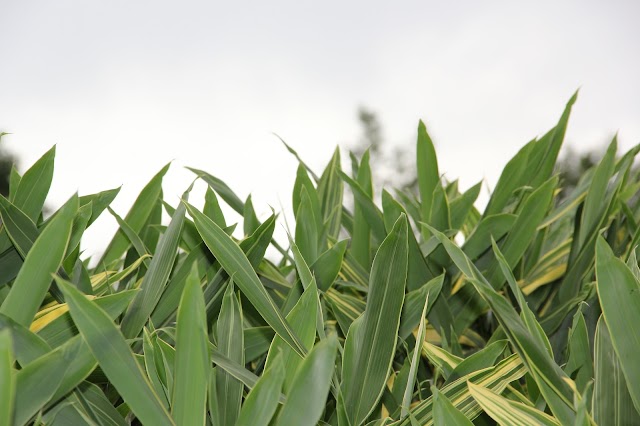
<point x="192" y="366"/>
<point x="115" y="357"/>
<point x="428" y="175"/>
<point x="32" y="392"/>
<point x="361" y="241"/>
<point x="369" y="350"/>
<point x="34" y="186"/>
<point x="261" y="403"/>
<point x="234" y="261"/>
<point x="507" y="412"/>
<point x="44" y="258"/>
<point x="495" y="378"/>
<point x="619" y="294"/>
<point x="308" y="395"/>
<point x="444" y="413"/>
<point x="7" y="377"/>
<point x="303" y="321"/>
<point x="415" y="358"/>
<point x="612" y="403"/>
<point x="551" y="380"/>
<point x="136" y="218"/>
<point x="330" y="191"/>
<point x="231" y="344"/>
<point x="307" y="236"/>
<point x="155" y="279"/>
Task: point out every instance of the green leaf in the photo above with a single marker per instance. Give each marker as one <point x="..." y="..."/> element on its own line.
<point x="415" y="359"/>
<point x="131" y="235"/>
<point x="7" y="377"/>
<point x="34" y="186"/>
<point x="32" y="392"/>
<point x="192" y="366"/>
<point x="136" y="218"/>
<point x="262" y="401"/>
<point x="579" y="364"/>
<point x="327" y="267"/>
<point x="462" y="206"/>
<point x="222" y="189"/>
<point x="593" y="207"/>
<point x="231" y="344"/>
<point x="444" y="413"/>
<point x="330" y="192"/>
<point x="115" y="357"/>
<point x="369" y="352"/>
<point x="151" y="366"/>
<point x="44" y="258"/>
<point x="428" y="175"/>
<point x="303" y="321"/>
<point x="495" y="226"/>
<point x="369" y="212"/>
<point x="154" y="281"/>
<point x="361" y="241"/>
<point x="484" y="358"/>
<point x="99" y="202"/>
<point x="551" y="380"/>
<point x="306" y="229"/>
<point x="619" y="294"/>
<point x="212" y="208"/>
<point x="20" y="228"/>
<point x="59" y="330"/>
<point x="250" y="222"/>
<point x="413" y="301"/>
<point x="308" y="394"/>
<point x="509" y="413"/>
<point x="612" y="403"/>
<point x="234" y="261"/>
<point x="495" y="378"/>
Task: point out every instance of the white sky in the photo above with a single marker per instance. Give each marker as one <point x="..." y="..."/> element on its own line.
<point x="123" y="87"/>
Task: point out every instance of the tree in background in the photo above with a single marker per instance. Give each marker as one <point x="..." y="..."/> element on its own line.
<point x="7" y="161"/>
<point x="396" y="166"/>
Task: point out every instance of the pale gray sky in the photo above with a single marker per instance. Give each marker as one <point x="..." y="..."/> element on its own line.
<point x="122" y="87"/>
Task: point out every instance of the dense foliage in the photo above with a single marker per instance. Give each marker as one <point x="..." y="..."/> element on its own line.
<point x="410" y="311"/>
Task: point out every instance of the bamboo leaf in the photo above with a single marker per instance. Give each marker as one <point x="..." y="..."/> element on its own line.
<point x="34" y="186"/>
<point x="192" y="356"/>
<point x="154" y="281"/>
<point x="619" y="294"/>
<point x="428" y="174"/>
<point x="415" y="358"/>
<point x="368" y="358"/>
<point x="551" y="380"/>
<point x="7" y="378"/>
<point x="308" y="394"/>
<point x="231" y="344"/>
<point x="44" y="258"/>
<point x="32" y="392"/>
<point x="261" y="403"/>
<point x="444" y="413"/>
<point x="136" y="218"/>
<point x="509" y="413"/>
<point x="115" y="357"/>
<point x="612" y="403"/>
<point x="330" y="192"/>
<point x="303" y="322"/>
<point x="234" y="261"/>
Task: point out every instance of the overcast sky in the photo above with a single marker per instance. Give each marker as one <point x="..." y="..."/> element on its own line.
<point x="123" y="87"/>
